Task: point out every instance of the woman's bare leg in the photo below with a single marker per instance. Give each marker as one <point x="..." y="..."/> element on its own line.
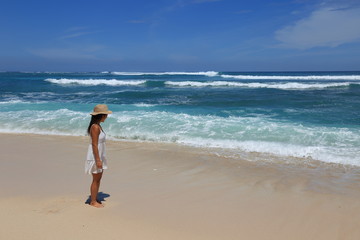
<point x="94" y="189"/>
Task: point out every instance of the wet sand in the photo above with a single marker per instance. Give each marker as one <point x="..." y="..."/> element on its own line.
<point x="167" y="191"/>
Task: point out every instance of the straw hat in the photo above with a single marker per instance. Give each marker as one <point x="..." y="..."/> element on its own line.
<point x="101" y="109"/>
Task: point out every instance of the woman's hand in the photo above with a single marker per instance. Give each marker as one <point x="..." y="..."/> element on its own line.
<point x="99" y="164"/>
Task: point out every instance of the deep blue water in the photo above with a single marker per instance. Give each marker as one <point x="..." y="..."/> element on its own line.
<point x="299" y="114"/>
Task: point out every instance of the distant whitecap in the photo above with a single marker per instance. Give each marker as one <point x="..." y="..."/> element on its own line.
<point x="277" y="85"/>
<point x="208" y="73"/>
<point x="94" y="82"/>
<point x="280" y="77"/>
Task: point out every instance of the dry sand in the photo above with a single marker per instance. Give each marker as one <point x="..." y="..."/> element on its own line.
<point x="166" y="191"/>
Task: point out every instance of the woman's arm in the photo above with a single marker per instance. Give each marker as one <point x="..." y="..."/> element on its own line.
<point x="94" y="133"/>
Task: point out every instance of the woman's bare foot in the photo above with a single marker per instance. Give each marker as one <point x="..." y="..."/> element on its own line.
<point x="96" y="204"/>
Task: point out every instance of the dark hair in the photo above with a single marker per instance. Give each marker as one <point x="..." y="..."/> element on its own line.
<point x="95" y="119"/>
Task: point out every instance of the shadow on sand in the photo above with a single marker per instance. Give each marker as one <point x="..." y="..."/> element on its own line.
<point x="100" y="197"/>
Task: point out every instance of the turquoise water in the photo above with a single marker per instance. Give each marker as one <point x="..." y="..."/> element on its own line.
<point x="298" y="114"/>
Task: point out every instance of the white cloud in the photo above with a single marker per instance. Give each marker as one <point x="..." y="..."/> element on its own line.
<point x="77" y="34"/>
<point x="75" y="29"/>
<point x="325" y="27"/>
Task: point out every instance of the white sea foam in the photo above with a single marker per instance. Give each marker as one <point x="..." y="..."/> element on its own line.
<point x="13" y="102"/>
<point x="284" y="150"/>
<point x="38" y="132"/>
<point x="208" y="73"/>
<point x="289" y="85"/>
<point x="144" y="105"/>
<point x="239" y="134"/>
<point x="94" y="82"/>
<point x="256" y="134"/>
<point x="309" y="77"/>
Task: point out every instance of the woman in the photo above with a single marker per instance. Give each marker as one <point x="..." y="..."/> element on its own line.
<point x="96" y="159"/>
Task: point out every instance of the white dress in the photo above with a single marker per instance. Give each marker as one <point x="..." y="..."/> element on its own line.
<point x="90" y="165"/>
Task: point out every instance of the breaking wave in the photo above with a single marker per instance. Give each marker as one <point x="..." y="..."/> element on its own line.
<point x="94" y="82"/>
<point x="289" y="85"/>
<point x="208" y="73"/>
<point x="308" y="77"/>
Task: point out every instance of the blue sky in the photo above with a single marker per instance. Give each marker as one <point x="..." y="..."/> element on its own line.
<point x="180" y="35"/>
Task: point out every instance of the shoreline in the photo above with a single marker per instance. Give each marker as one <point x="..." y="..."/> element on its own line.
<point x="227" y="153"/>
<point x="298" y="166"/>
<point x="167" y="191"/>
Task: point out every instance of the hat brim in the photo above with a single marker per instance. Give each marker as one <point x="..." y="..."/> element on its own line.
<point x="97" y="113"/>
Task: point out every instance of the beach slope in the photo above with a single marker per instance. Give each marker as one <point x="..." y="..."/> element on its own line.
<point x="167" y="191"/>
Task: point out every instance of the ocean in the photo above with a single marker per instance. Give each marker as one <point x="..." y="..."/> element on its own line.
<point x="259" y="116"/>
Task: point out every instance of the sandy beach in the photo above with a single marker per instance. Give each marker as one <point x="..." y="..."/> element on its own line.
<point x="167" y="191"/>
